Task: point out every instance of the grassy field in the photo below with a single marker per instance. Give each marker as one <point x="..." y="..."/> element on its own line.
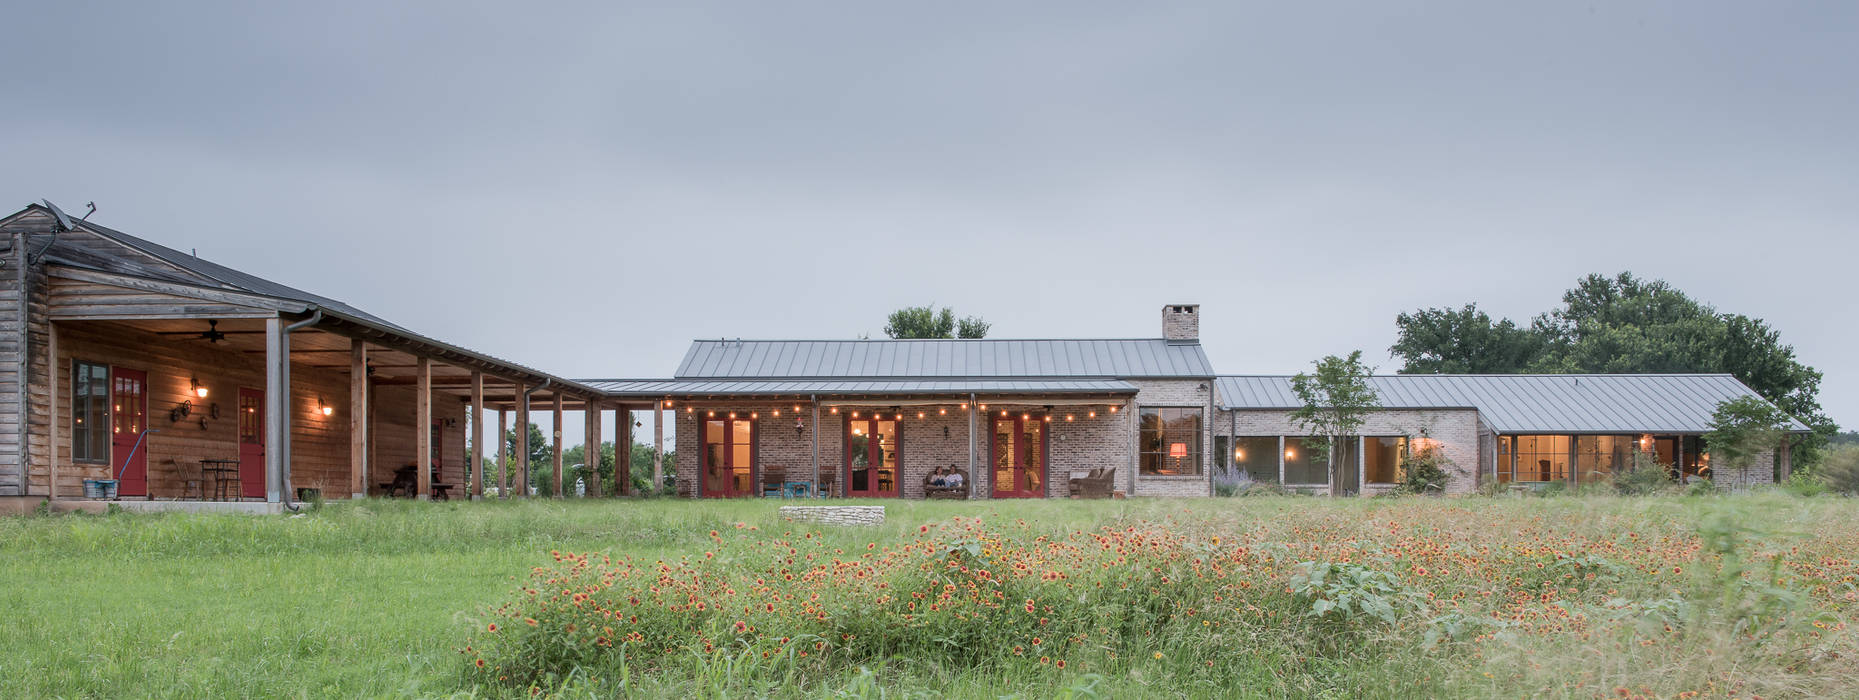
<point x="1269" y="596"/>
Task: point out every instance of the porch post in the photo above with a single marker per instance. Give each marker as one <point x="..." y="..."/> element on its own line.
<point x="623" y="450"/>
<point x="277" y="403"/>
<point x="521" y="465"/>
<point x="51" y="351"/>
<point x="974" y="492"/>
<point x="503" y="467"/>
<point x="658" y="445"/>
<point x="358" y="419"/>
<point x="591" y="416"/>
<point x="422" y="429"/>
<point x="819" y="471"/>
<point x="556" y="416"/>
<point x="476" y="468"/>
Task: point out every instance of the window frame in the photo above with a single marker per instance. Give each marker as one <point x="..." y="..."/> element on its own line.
<point x="84" y="440"/>
<point x="1198" y="445"/>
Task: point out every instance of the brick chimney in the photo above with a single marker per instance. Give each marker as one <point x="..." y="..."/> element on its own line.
<point x="1181" y="323"/>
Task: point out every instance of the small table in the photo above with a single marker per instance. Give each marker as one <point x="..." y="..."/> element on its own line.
<point x="222" y="471"/>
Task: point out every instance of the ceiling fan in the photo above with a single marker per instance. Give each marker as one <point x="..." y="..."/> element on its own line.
<point x="212" y="334"/>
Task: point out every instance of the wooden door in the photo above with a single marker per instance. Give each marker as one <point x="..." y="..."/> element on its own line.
<point x="728" y="458"/>
<point x="873" y="450"/>
<point x="438" y="450"/>
<point x="128" y="430"/>
<point x="252" y="443"/>
<point x="1019" y="456"/>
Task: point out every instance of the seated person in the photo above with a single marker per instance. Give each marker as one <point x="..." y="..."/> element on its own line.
<point x="953" y="479"/>
<point x="938" y="477"/>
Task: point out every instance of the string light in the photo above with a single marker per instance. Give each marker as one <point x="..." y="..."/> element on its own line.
<point x="855" y="414"/>
<point x="1068" y="417"/>
<point x="1048" y="419"/>
<point x="777" y="413"/>
<point x="732" y="415"/>
<point x="712" y="414"/>
<point x="689" y="409"/>
<point x="942" y="411"/>
<point x="984" y="406"/>
<point x="753" y="415"/>
<point x="1003" y="413"/>
<point x="797" y="408"/>
<point x="1092" y="414"/>
<point x="667" y="403"/>
<point x="1113" y="409"/>
<point x="835" y="410"/>
<point x="920" y="415"/>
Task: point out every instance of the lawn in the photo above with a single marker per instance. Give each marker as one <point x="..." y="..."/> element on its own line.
<point x="1267" y="596"/>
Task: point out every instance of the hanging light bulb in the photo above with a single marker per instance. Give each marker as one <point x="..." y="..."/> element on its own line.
<point x="732" y="415"/>
<point x="855" y="414"/>
<point x="920" y="415"/>
<point x="690" y="409"/>
<point x="712" y="414"/>
<point x="835" y="410"/>
<point x="777" y="413"/>
<point x="942" y="411"/>
<point x="1092" y="414"/>
<point x="1068" y="417"/>
<point x="755" y="415"/>
<point x="1113" y="409"/>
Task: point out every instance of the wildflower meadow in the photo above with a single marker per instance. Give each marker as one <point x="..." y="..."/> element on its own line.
<point x="1275" y="596"/>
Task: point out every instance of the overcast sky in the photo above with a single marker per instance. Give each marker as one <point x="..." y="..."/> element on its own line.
<point x="586" y="189"/>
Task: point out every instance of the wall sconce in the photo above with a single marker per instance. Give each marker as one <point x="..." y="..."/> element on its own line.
<point x="199" y="391"/>
<point x="945" y="431"/>
<point x="800" y="426"/>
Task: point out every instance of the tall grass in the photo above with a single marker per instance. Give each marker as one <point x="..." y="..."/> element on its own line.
<point x="1574" y="597"/>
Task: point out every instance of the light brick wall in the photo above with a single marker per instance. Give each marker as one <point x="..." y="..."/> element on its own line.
<point x="1761" y="471"/>
<point x="1459" y="433"/>
<point x="1169" y="393"/>
<point x="1181" y="322"/>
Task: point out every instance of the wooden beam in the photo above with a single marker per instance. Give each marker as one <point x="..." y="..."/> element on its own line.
<point x="522" y="444"/>
<point x="504" y="466"/>
<point x="358" y="418"/>
<point x="422" y="431"/>
<point x="658" y="447"/>
<point x="591" y="416"/>
<point x="623" y="450"/>
<point x="277" y="404"/>
<point x="51" y="351"/>
<point x="556" y="408"/>
<point x="476" y="468"/>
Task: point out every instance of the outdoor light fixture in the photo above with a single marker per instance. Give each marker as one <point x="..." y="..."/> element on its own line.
<point x="1091" y="414"/>
<point x="1068" y="417"/>
<point x="199" y="390"/>
<point x="835" y="410"/>
<point x="855" y="414"/>
<point x="689" y="409"/>
<point x="1290" y="454"/>
<point x="800" y="426"/>
<point x="1113" y="409"/>
<point x="710" y="414"/>
<point x="329" y="410"/>
<point x="732" y="415"/>
<point x="755" y="415"/>
<point x="942" y="411"/>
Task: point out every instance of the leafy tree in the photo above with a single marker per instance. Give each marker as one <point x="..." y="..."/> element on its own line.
<point x="541" y="459"/>
<point x="916" y="322"/>
<point x="1337" y="400"/>
<point x="1620" y="324"/>
<point x="1742" y="428"/>
<point x="1464" y="341"/>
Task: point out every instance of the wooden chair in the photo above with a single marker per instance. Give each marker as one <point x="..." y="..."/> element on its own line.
<point x="405" y="483"/>
<point x="772" y="480"/>
<point x="1095" y="484"/>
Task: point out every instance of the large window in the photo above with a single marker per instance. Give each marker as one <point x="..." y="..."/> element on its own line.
<point x="1381" y="459"/>
<point x="1300" y="465"/>
<point x="1599" y="457"/>
<point x="1171" y="441"/>
<point x="90" y="412"/>
<point x="1257" y="458"/>
<point x="1542" y="458"/>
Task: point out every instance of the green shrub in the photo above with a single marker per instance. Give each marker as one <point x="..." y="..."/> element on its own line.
<point x="1424" y="472"/>
<point x="1804" y="485"/>
<point x="1646" y="477"/>
<point x="1839" y="470"/>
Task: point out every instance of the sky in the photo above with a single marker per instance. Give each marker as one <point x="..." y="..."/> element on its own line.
<point x="585" y="189"/>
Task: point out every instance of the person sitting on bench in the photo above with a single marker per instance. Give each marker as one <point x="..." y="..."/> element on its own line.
<point x="953" y="479"/>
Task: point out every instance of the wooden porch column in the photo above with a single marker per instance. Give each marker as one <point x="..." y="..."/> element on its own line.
<point x="591" y="416"/>
<point x="358" y="419"/>
<point x="658" y="444"/>
<point x="422" y="429"/>
<point x="51" y="350"/>
<point x="555" y="411"/>
<point x="277" y="402"/>
<point x="623" y="450"/>
<point x="522" y="443"/>
<point x="974" y="412"/>
<point x="504" y="467"/>
<point x="476" y="468"/>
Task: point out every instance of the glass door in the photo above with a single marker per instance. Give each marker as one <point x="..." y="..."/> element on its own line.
<point x="129" y="430"/>
<point x="872" y="446"/>
<point x="728" y="458"/>
<point x="1019" y="448"/>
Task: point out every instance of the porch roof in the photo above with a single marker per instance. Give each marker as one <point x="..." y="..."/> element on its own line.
<point x="657" y="388"/>
<point x="1531" y="403"/>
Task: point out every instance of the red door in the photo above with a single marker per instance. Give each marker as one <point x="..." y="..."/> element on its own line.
<point x="128" y="426"/>
<point x="1019" y="448"/>
<point x="872" y="457"/>
<point x="438" y="450"/>
<point x="728" y="458"/>
<point x="251" y="443"/>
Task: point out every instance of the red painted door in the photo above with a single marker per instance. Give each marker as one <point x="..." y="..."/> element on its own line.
<point x="128" y="421"/>
<point x="728" y="458"/>
<point x="251" y="443"/>
<point x="1019" y="451"/>
<point x="872" y="449"/>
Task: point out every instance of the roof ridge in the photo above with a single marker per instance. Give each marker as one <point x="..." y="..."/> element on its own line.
<point x="913" y="340"/>
<point x="1506" y="374"/>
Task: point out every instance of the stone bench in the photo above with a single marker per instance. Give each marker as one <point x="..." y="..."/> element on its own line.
<point x="834" y="515"/>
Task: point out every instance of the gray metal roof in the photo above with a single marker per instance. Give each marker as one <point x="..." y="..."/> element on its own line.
<point x="1531" y="403"/>
<point x="652" y="388"/>
<point x="924" y="359"/>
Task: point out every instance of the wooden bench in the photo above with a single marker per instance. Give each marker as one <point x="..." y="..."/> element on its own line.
<point x="953" y="492"/>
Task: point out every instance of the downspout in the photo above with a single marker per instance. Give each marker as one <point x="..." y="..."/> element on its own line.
<point x="523" y="431"/>
<point x="285" y="492"/>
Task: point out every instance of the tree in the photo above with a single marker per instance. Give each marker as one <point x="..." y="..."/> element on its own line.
<point x="1337" y="399"/>
<point x="541" y="459"/>
<point x="1741" y="429"/>
<point x="917" y="322"/>
<point x="1615" y="325"/>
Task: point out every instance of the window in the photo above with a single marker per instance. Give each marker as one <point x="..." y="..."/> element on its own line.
<point x="1300" y="468"/>
<point x="1542" y="458"/>
<point x="1256" y="457"/>
<point x="1599" y="457"/>
<point x="1171" y="441"/>
<point x="90" y="412"/>
<point x="1381" y="459"/>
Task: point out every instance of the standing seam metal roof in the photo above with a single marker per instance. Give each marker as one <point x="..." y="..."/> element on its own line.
<point x="921" y="359"/>
<point x="1525" y="403"/>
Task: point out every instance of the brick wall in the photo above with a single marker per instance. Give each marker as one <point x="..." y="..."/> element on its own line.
<point x="1459" y="433"/>
<point x="1169" y="393"/>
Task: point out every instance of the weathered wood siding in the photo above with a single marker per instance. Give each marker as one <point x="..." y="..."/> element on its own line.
<point x="320" y="442"/>
<point x="13" y="345"/>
